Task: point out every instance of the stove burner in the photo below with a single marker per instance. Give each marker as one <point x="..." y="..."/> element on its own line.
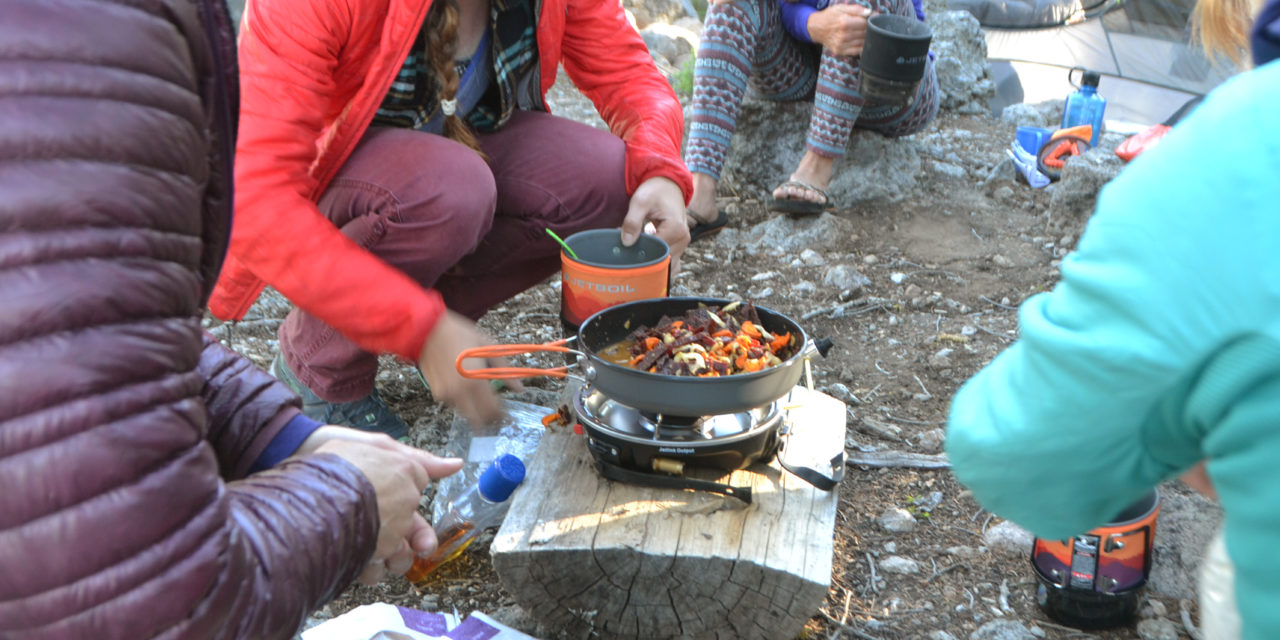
<point x="643" y="441"/>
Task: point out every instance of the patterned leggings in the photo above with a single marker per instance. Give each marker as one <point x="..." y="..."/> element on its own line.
<point x="744" y="41"/>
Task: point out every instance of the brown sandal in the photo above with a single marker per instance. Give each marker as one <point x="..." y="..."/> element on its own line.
<point x="800" y="207"/>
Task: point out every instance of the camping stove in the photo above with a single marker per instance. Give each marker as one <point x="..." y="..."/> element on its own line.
<point x="632" y="439"/>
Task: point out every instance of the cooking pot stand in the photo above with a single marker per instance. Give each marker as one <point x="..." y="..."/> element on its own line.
<point x="622" y="474"/>
<point x="809" y="474"/>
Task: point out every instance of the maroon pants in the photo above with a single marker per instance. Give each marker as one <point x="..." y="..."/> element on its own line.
<point x="475" y="232"/>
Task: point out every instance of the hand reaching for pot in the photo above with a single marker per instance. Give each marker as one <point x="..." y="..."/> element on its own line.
<point x="658" y="201"/>
<point x="474" y="399"/>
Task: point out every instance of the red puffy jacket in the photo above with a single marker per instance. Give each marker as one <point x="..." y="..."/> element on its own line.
<point x="125" y="437"/>
<point x="313" y="73"/>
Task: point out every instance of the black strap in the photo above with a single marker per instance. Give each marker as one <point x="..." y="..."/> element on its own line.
<point x="809" y="474"/>
<point x="615" y="472"/>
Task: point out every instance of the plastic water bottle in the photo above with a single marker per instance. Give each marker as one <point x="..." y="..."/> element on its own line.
<point x="1085" y="106"/>
<point x="477" y="508"/>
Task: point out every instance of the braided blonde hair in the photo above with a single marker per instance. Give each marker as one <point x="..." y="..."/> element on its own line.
<point x="442" y="46"/>
<point x="1222" y="27"/>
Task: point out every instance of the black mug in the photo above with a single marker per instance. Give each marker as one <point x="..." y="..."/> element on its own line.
<point x="893" y="58"/>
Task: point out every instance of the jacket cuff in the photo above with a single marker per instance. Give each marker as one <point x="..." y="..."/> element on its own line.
<point x="423" y="320"/>
<point x="795" y="18"/>
<point x="286" y="441"/>
<point x="249" y="461"/>
<point x="641" y="169"/>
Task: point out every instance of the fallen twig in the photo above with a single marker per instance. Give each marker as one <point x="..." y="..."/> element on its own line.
<point x="949" y="569"/>
<point x="881" y="370"/>
<point x="839" y="309"/>
<point x="845" y="627"/>
<point x="525" y="315"/>
<point x="872" y="563"/>
<point x="1184" y="607"/>
<point x="1004" y="596"/>
<point x="886" y="431"/>
<point x="1074" y="632"/>
<point x="890" y="416"/>
<point x="993" y="302"/>
<point x="948" y="274"/>
<point x="926" y="390"/>
<point x="898" y="459"/>
<point x="988" y="331"/>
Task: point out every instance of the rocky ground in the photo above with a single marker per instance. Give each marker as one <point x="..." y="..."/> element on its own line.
<point x="918" y="287"/>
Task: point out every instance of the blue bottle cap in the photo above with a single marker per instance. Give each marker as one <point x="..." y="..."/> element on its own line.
<point x="501" y="478"/>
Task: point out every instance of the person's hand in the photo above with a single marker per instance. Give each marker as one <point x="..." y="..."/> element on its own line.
<point x="399" y="473"/>
<point x="658" y="201"/>
<point x="840" y="28"/>
<point x="474" y="399"/>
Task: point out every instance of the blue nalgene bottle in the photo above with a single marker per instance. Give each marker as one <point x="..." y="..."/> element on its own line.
<point x="1085" y="106"/>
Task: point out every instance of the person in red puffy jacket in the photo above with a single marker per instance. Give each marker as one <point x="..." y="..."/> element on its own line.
<point x="397" y="169"/>
<point x="154" y="484"/>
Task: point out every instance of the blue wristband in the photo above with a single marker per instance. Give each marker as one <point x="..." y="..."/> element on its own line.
<point x="286" y="442"/>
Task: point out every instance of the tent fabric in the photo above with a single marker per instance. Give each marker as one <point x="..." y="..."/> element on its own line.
<point x="1141" y="47"/>
<point x="1021" y="14"/>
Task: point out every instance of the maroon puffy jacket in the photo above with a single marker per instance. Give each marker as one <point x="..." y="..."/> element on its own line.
<point x="125" y="434"/>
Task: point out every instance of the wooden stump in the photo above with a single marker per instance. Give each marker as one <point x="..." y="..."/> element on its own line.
<point x="635" y="562"/>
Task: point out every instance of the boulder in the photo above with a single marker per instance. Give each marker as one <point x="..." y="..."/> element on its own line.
<point x="960" y="50"/>
<point x="647" y="12"/>
<point x="770" y="141"/>
<point x="1076" y="193"/>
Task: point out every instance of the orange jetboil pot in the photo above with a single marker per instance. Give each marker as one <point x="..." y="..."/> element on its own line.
<point x="1095" y="580"/>
<point x="602" y="273"/>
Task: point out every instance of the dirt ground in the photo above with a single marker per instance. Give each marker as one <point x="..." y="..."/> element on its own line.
<point x="947" y="272"/>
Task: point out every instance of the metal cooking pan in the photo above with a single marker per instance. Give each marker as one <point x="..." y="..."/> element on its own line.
<point x="653" y="392"/>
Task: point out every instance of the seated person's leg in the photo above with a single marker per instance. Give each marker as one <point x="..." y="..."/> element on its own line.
<point x="551" y="173"/>
<point x="838" y="108"/>
<point x="418" y="201"/>
<point x="741" y="42"/>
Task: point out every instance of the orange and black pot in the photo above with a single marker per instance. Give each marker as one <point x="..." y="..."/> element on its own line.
<point x="654" y="392"/>
<point x="602" y="272"/>
<point x="1095" y="580"/>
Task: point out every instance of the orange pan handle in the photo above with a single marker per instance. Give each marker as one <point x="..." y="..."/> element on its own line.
<point x="506" y="350"/>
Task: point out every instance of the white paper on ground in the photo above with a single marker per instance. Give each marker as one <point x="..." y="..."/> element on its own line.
<point x="382" y="621"/>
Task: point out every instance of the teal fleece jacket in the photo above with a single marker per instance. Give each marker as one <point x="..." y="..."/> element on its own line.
<point x="1159" y="347"/>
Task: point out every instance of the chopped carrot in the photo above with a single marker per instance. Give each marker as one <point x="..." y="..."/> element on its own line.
<point x="741" y="362"/>
<point x="677" y="324"/>
<point x="636" y="360"/>
<point x="723" y="333"/>
<point x="750" y="329"/>
<point x="780" y="342"/>
<point x="650" y="343"/>
<point x="753" y="364"/>
<point x="550" y="418"/>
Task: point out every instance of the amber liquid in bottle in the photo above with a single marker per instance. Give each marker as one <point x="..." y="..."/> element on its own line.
<point x="454" y="539"/>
